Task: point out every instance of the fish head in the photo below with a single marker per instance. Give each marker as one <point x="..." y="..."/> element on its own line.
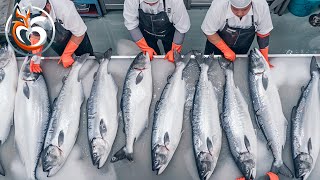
<point x="160" y="158"/>
<point x="52" y="159"/>
<point x="99" y="151"/>
<point x="141" y="62"/>
<point x="257" y="63"/>
<point x="27" y="75"/>
<point x="205" y="164"/>
<point x="247" y="165"/>
<point x="303" y="165"/>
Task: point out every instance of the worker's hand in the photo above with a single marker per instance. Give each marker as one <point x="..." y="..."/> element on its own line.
<point x="272" y="176"/>
<point x="227" y="52"/>
<point x="35" y="64"/>
<point x="142" y="44"/>
<point x="265" y="53"/>
<point x="170" y="55"/>
<point x="66" y="57"/>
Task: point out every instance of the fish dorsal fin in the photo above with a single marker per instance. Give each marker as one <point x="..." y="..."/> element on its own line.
<point x="309" y="146"/>
<point x="139" y="77"/>
<point x="265" y="81"/>
<point x="60" y="138"/>
<point x="166" y="139"/>
<point x="2" y="75"/>
<point x="209" y="145"/>
<point x="247" y="143"/>
<point x="26" y="90"/>
<point x="102" y="128"/>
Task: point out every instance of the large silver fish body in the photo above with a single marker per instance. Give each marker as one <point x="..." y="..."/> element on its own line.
<point x="135" y="104"/>
<point x="65" y="119"/>
<point x="268" y="110"/>
<point x="8" y="89"/>
<point x="168" y="117"/>
<point x="102" y="113"/>
<point x="31" y="117"/>
<point x="306" y="126"/>
<point x="205" y="121"/>
<point x="237" y="124"/>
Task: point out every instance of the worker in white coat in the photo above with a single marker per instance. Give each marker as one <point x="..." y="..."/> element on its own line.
<point x="70" y="37"/>
<point x="151" y="20"/>
<point x="231" y="26"/>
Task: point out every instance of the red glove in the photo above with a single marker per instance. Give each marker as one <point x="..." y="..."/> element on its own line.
<point x="272" y="176"/>
<point x="265" y="53"/>
<point x="227" y="52"/>
<point x="36" y="58"/>
<point x="169" y="56"/>
<point x="66" y="57"/>
<point x="142" y="44"/>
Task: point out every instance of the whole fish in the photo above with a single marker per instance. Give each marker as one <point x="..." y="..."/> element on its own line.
<point x="205" y="121"/>
<point x="306" y="126"/>
<point x="31" y="117"/>
<point x="64" y="122"/>
<point x="135" y="104"/>
<point x="8" y="89"/>
<point x="268" y="110"/>
<point x="168" y="117"/>
<point x="237" y="124"/>
<point x="102" y="113"/>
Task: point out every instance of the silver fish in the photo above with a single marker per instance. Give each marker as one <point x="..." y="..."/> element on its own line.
<point x="168" y="117"/>
<point x="205" y="121"/>
<point x="135" y="104"/>
<point x="8" y="89"/>
<point x="237" y="124"/>
<point x="268" y="110"/>
<point x="306" y="125"/>
<point x="102" y="113"/>
<point x="31" y="117"/>
<point x="64" y="122"/>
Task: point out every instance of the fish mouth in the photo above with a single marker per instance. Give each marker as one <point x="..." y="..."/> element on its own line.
<point x="51" y="159"/>
<point x="99" y="148"/>
<point x="160" y="158"/>
<point x="303" y="165"/>
<point x="205" y="165"/>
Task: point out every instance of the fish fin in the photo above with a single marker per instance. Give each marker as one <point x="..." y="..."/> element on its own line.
<point x="209" y="145"/>
<point x="257" y="122"/>
<point x="26" y="90"/>
<point x="168" y="78"/>
<point x="178" y="58"/>
<point x="269" y="145"/>
<point x="309" y="146"/>
<point x="103" y="128"/>
<point x="2" y="75"/>
<point x="122" y="154"/>
<point x="225" y="64"/>
<point x="313" y="65"/>
<point x="166" y="139"/>
<point x="95" y="75"/>
<point x="139" y="77"/>
<point x="247" y="143"/>
<point x="265" y="82"/>
<point x="60" y="138"/>
<point x="283" y="169"/>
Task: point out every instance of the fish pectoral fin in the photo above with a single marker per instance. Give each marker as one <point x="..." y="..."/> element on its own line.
<point x="26" y="90"/>
<point x="60" y="138"/>
<point x="247" y="143"/>
<point x="166" y="139"/>
<point x="209" y="145"/>
<point x="139" y="77"/>
<point x="265" y="81"/>
<point x="309" y="146"/>
<point x="103" y="128"/>
<point x="2" y="75"/>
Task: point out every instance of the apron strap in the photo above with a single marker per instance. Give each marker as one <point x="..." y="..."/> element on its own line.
<point x="164" y="5"/>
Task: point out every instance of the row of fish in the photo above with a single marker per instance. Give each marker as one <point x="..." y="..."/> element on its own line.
<point x="49" y="134"/>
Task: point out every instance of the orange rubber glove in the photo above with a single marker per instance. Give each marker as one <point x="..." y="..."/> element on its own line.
<point x="36" y="58"/>
<point x="227" y="52"/>
<point x="272" y="176"/>
<point x="66" y="57"/>
<point x="265" y="53"/>
<point x="143" y="45"/>
<point x="169" y="56"/>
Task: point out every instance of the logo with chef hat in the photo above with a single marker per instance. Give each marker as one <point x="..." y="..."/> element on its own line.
<point x="25" y="22"/>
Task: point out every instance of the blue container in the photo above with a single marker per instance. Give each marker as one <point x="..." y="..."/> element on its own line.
<point x="300" y="8"/>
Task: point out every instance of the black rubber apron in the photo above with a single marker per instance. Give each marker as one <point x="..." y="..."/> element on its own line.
<point x="238" y="39"/>
<point x="155" y="27"/>
<point x="62" y="37"/>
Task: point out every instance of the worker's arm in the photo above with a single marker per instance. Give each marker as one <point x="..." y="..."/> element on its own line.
<point x="216" y="40"/>
<point x="263" y="42"/>
<point x="178" y="39"/>
<point x="72" y="46"/>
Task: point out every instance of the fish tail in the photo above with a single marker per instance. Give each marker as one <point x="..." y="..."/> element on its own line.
<point x="225" y="64"/>
<point x="82" y="59"/>
<point x="185" y="60"/>
<point x="283" y="169"/>
<point x="106" y="55"/>
<point x="314" y="67"/>
<point x="203" y="61"/>
<point x="122" y="154"/>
